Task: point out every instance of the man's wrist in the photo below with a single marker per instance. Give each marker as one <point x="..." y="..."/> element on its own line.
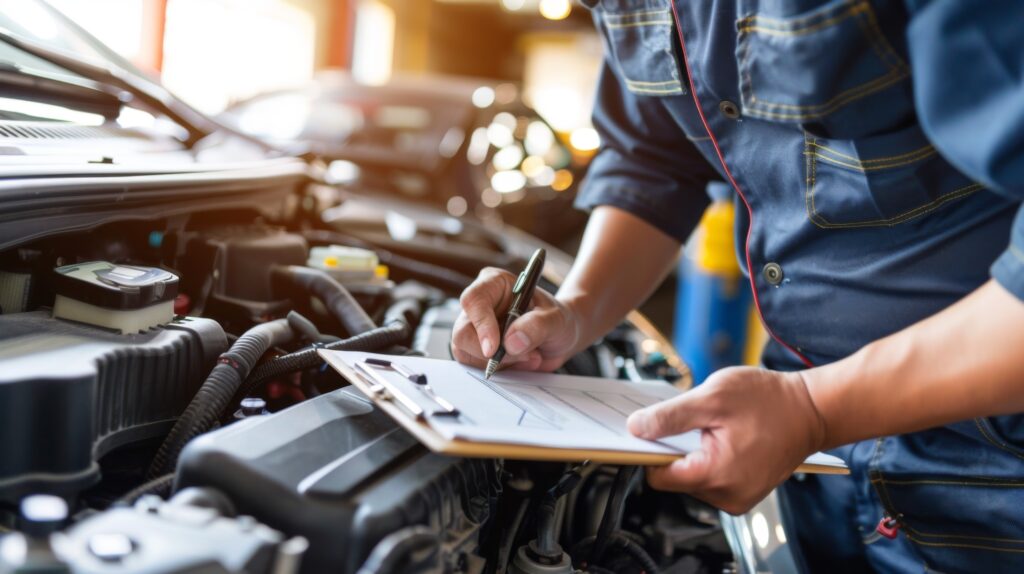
<point x="844" y="390"/>
<point x="809" y="386"/>
<point x="578" y="310"/>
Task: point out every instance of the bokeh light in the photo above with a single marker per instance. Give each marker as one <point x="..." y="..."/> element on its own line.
<point x="555" y="9"/>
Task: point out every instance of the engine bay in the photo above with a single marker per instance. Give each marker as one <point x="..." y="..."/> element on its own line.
<point x="164" y="409"/>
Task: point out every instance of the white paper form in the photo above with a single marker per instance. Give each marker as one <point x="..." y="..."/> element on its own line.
<point x="537" y="409"/>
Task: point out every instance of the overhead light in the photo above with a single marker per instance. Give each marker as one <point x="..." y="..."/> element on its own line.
<point x="533" y="165"/>
<point x="500" y="135"/>
<point x="760" y="526"/>
<point x="508" y="181"/>
<point x="483" y="97"/>
<point x="563" y="180"/>
<point x="555" y="9"/>
<point x="508" y="157"/>
<point x="585" y="139"/>
<point x="457" y="206"/>
<point x="539" y="138"/>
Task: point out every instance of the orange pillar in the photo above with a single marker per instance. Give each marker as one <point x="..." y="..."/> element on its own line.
<point x="151" y="56"/>
<point x="342" y="30"/>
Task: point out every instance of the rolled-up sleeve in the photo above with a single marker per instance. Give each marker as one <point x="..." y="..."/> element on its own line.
<point x="646" y="165"/>
<point x="968" y="64"/>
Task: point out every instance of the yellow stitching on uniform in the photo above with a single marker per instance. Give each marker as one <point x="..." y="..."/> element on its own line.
<point x="656" y="91"/>
<point x="880" y="40"/>
<point x="639" y="83"/>
<point x="852" y="94"/>
<point x="639" y="24"/>
<point x="801" y="24"/>
<point x="797" y="21"/>
<point x="974" y="546"/>
<point x="809" y="190"/>
<point x="875" y="38"/>
<point x="888" y="76"/>
<point x="909" y="530"/>
<point x="915" y="532"/>
<point x="820" y="221"/>
<point x="879" y="159"/>
<point x="991" y="439"/>
<point x="866" y="168"/>
<point x="907" y="215"/>
<point x="652" y="88"/>
<point x="883" y="493"/>
<point x="624" y="15"/>
<point x="850" y="12"/>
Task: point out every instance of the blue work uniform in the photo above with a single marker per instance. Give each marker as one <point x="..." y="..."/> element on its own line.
<point x="877" y="151"/>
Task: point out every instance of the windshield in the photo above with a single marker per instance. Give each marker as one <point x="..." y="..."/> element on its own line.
<point x="46" y="58"/>
<point x="36" y="21"/>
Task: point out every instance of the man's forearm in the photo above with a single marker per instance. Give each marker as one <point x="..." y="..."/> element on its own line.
<point x="962" y="363"/>
<point x="620" y="262"/>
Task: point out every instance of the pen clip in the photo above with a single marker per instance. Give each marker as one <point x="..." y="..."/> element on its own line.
<point x="445" y="407"/>
<point x="520" y="281"/>
<point x="387" y="391"/>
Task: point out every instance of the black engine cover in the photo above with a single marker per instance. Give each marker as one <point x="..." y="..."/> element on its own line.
<point x="339" y="472"/>
<point x="69" y="393"/>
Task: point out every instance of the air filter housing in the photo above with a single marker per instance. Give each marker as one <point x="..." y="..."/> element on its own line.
<point x="69" y="393"/>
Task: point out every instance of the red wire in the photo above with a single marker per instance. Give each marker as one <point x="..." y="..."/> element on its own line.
<point x="728" y="174"/>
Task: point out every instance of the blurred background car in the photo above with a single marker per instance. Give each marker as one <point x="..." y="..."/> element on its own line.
<point x="469" y="146"/>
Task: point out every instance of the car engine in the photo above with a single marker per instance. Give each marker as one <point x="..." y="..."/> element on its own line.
<point x="163" y="409"/>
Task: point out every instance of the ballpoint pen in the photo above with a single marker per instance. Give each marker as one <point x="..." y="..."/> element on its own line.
<point x="522" y="292"/>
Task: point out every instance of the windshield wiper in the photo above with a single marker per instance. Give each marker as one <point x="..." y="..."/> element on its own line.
<point x="185" y="116"/>
<point x="20" y="83"/>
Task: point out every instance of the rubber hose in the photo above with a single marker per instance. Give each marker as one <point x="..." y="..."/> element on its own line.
<point x="341" y="304"/>
<point x="408" y="310"/>
<point x="217" y="391"/>
<point x="637" y="553"/>
<point x="618" y="541"/>
<point x="160" y="486"/>
<point x="380" y="338"/>
<point x="303" y="327"/>
<point x="509" y="536"/>
<point x="613" y="510"/>
<point x="387" y="556"/>
<point x="547" y="538"/>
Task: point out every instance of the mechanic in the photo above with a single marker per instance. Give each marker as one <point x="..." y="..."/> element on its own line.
<point x="878" y="149"/>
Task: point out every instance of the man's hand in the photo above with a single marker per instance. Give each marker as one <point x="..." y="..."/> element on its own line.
<point x="757" y="427"/>
<point x="541" y="340"/>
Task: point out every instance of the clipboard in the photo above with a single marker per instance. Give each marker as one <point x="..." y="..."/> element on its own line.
<point x="431" y="421"/>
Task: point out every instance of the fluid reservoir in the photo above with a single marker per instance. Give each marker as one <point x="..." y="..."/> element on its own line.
<point x="713" y="307"/>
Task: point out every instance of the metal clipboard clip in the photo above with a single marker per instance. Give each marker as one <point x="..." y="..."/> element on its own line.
<point x="381" y="387"/>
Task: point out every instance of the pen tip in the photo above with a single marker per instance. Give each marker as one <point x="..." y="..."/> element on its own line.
<point x="491" y="367"/>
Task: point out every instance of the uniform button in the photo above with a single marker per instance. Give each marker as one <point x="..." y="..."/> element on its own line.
<point x="729" y="109"/>
<point x="772" y="273"/>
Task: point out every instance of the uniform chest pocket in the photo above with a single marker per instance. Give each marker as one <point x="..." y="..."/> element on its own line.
<point x="639" y="35"/>
<point x="878" y="181"/>
<point x="829" y="68"/>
